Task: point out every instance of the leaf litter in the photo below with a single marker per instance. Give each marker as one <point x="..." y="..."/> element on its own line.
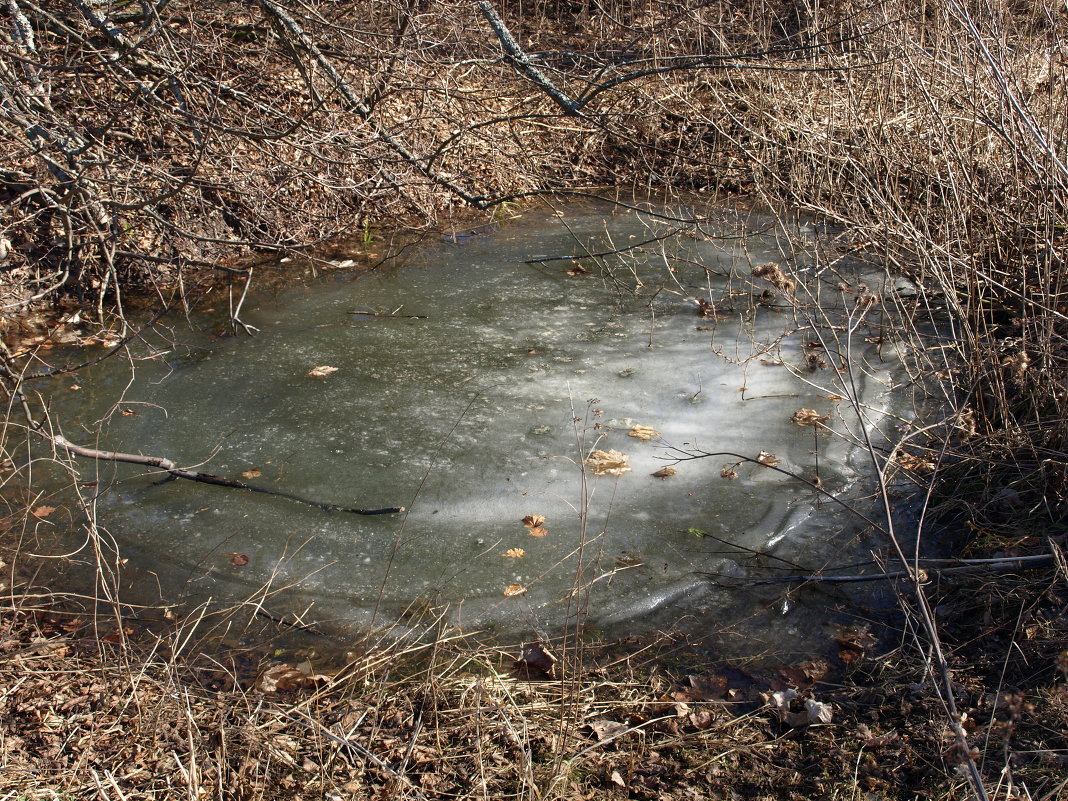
<point x="69" y="709"/>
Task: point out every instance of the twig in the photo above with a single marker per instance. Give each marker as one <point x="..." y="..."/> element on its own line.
<point x="995" y="565"/>
<point x="206" y="478"/>
<point x="392" y="316"/>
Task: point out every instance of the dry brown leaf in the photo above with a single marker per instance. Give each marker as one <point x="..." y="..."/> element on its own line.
<point x="911" y="461"/>
<point x="665" y="472"/>
<point x="608" y="463"/>
<point x="883" y="740"/>
<point x="808" y="417"/>
<point x="128" y="412"/>
<point x="805" y="674"/>
<point x="701" y="719"/>
<point x="538" y="531"/>
<point x="279" y="678"/>
<point x="603" y="729"/>
<point x="707" y="688"/>
<point x="849" y="656"/>
<point x="512" y="590"/>
<point x="321" y="371"/>
<point x="773" y="274"/>
<point x="533" y="521"/>
<point x="282" y="678"/>
<point x="645" y="433"/>
<point x="116" y="636"/>
<point x="515" y="553"/>
<point x="768" y="459"/>
<point x="728" y="472"/>
<point x="239" y="560"/>
<point x="42" y="511"/>
<point x="854" y="644"/>
<point x="535" y="662"/>
<point x="253" y="473"/>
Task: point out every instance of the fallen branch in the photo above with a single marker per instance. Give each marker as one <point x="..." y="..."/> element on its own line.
<point x="927" y="570"/>
<point x="206" y="478"/>
<point x="382" y="315"/>
<point x="518" y="57"/>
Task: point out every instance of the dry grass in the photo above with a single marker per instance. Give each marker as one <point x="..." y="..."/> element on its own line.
<point x="85" y="723"/>
<point x="137" y="717"/>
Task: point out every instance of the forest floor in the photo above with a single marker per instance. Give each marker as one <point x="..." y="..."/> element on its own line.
<point x="113" y="709"/>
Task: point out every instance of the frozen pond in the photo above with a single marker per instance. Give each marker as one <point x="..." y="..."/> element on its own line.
<point x="471" y="385"/>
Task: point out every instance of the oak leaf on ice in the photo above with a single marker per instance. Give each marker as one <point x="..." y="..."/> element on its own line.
<point x="808" y="417"/>
<point x="768" y="459"/>
<point x="643" y="432"/>
<point x="608" y="463"/>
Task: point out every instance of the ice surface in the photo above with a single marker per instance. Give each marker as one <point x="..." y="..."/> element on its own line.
<point x="482" y="413"/>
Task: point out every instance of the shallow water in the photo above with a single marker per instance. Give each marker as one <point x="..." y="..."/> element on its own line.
<point x="479" y="412"/>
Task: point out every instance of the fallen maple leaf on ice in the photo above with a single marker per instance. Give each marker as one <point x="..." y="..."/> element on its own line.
<point x="253" y="473"/>
<point x="535" y="523"/>
<point x="42" y="511"/>
<point x="322" y="371"/>
<point x="515" y="553"/>
<point x="513" y="590"/>
<point x="643" y="432"/>
<point x="608" y="463"/>
<point x="665" y="472"/>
